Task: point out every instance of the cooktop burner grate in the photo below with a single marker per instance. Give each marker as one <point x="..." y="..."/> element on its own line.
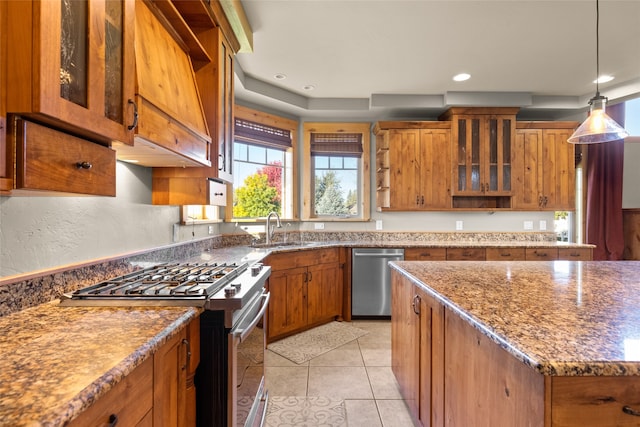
<point x="166" y="281"/>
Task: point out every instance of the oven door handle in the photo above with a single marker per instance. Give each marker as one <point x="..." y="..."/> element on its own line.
<point x="242" y="332"/>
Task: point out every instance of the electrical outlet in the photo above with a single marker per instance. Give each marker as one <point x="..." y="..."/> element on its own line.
<point x="318" y="226"/>
<point x="528" y="225"/>
<point x="176" y="232"/>
<point x="459" y="225"/>
<point x="211" y="229"/>
<point x="543" y="225"/>
<point x="378" y="224"/>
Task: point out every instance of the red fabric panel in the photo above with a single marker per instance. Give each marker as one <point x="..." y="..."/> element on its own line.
<point x="604" y="194"/>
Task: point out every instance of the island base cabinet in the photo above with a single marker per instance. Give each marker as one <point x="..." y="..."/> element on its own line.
<point x="595" y="401"/>
<point x="485" y="385"/>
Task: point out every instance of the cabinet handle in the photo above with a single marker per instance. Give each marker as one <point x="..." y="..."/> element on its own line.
<point x="630" y="411"/>
<point x="113" y="420"/>
<point x="417" y="200"/>
<point x="221" y="164"/>
<point x="218" y="194"/>
<point x="546" y="199"/>
<point x="486" y="186"/>
<point x="133" y="125"/>
<point x="416" y="304"/>
<point x="310" y="276"/>
<point x="84" y="165"/>
<point x="540" y="201"/>
<point x="188" y="344"/>
<point x="505" y="254"/>
<point x="422" y="200"/>
<point x="541" y="254"/>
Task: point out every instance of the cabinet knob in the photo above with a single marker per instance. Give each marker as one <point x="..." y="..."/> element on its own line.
<point x="113" y="420"/>
<point x="84" y="165"/>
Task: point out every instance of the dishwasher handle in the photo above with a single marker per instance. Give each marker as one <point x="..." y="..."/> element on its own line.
<point x="374" y="255"/>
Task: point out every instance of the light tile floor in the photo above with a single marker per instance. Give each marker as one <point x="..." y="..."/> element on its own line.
<point x="358" y="372"/>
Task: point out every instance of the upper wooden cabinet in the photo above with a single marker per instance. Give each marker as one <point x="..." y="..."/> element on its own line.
<point x="6" y="161"/>
<point x="482" y="142"/>
<point x="544" y="166"/>
<point x="412" y="166"/>
<point x="72" y="66"/>
<point x="171" y="128"/>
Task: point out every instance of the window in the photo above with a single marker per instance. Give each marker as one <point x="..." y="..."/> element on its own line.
<point x="632" y="120"/>
<point x="336" y="171"/>
<point x="264" y="167"/>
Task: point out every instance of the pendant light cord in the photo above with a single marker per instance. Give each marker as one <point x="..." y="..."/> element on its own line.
<point x="597" y="48"/>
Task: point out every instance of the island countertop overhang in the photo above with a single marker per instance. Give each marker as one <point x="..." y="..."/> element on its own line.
<point x="562" y="318"/>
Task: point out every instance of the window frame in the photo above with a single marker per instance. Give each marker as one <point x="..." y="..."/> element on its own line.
<point x="363" y="128"/>
<point x="249" y="114"/>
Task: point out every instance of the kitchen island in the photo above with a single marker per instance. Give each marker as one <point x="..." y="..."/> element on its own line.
<point x="513" y="343"/>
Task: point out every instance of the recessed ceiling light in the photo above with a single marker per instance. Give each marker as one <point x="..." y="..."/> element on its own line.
<point x="461" y="77"/>
<point x="308" y="87"/>
<point x="603" y="79"/>
<point x="280" y="76"/>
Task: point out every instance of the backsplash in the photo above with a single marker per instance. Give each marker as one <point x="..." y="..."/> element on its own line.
<point x="28" y="290"/>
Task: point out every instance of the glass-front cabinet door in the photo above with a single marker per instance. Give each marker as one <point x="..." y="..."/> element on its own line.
<point x="73" y="66"/>
<point x="482" y="154"/>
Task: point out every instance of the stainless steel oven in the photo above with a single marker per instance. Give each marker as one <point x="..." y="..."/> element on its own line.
<point x="229" y="380"/>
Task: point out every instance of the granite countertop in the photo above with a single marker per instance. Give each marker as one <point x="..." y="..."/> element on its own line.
<point x="55" y="361"/>
<point x="563" y="318"/>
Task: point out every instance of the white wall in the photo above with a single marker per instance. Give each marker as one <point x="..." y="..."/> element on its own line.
<point x="631" y="176"/>
<point x="44" y="232"/>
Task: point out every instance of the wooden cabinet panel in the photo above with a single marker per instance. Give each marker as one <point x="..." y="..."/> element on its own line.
<point x="169" y="378"/>
<point x="505" y="254"/>
<point x="594" y="401"/>
<point x="412" y="168"/>
<point x="324" y="292"/>
<point x="484" y="382"/>
<point x="541" y="254"/>
<point x="129" y="401"/>
<point x="631" y="227"/>
<point x="306" y="290"/>
<point x="575" y="254"/>
<point x="48" y="160"/>
<point x="425" y="254"/>
<point x="544" y="166"/>
<point x="465" y="254"/>
<point x="72" y="66"/>
<point x="288" y="306"/>
<point x="6" y="156"/>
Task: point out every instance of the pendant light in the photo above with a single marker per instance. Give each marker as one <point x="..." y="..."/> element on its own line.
<point x="598" y="127"/>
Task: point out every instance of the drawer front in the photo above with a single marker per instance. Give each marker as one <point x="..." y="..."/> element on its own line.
<point x="575" y="254"/>
<point x="49" y="160"/>
<point x="505" y="254"/>
<point x="130" y="400"/>
<point x="541" y="254"/>
<point x="466" y="254"/>
<point x="594" y="401"/>
<point x="303" y="258"/>
<point x="425" y="254"/>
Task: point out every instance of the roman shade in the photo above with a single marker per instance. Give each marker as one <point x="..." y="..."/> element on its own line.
<point x="336" y="144"/>
<point x="258" y="134"/>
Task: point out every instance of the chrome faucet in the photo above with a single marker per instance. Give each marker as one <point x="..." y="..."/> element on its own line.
<point x="270" y="228"/>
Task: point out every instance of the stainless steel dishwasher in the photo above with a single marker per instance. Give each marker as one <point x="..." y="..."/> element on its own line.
<point x="371" y="280"/>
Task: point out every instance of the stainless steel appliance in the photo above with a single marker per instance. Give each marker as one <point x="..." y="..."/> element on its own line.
<point x="371" y="280"/>
<point x="230" y="378"/>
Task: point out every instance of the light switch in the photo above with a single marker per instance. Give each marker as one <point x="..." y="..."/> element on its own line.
<point x="459" y="225"/>
<point x="528" y="225"/>
<point x="378" y="224"/>
<point x="543" y="225"/>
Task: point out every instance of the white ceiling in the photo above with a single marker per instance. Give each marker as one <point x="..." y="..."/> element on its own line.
<point x="395" y="59"/>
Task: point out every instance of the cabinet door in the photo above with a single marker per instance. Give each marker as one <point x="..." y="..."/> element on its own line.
<point x="434" y="181"/>
<point x="544" y="170"/>
<point x="559" y="179"/>
<point x="405" y="163"/>
<point x="482" y="154"/>
<point x="425" y="254"/>
<point x="224" y="119"/>
<point x="170" y="382"/>
<point x="72" y="65"/>
<point x="324" y="292"/>
<point x="6" y="157"/>
<point x="288" y="306"/>
<point x="405" y="340"/>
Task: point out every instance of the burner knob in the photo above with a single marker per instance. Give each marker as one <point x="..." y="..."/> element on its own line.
<point x="237" y="286"/>
<point x="255" y="269"/>
<point x="230" y="291"/>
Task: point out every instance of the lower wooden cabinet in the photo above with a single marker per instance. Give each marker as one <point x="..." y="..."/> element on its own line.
<point x="129" y="403"/>
<point x="505" y="254"/>
<point x="542" y="253"/>
<point x="306" y="290"/>
<point x="417" y="354"/>
<point x="425" y="254"/>
<point x="159" y="392"/>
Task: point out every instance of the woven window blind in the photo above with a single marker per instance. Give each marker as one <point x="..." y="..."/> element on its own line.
<point x="263" y="135"/>
<point x="336" y="144"/>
